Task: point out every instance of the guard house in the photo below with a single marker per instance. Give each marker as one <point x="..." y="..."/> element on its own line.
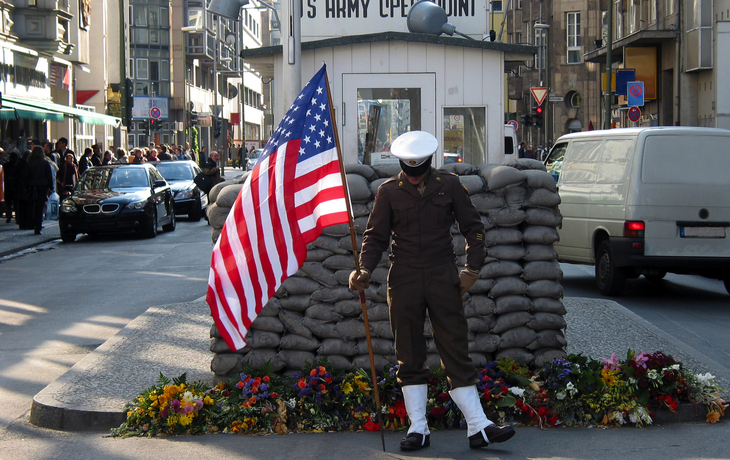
<point x="389" y="82"/>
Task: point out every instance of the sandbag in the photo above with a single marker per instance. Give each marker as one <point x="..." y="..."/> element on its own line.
<point x="296" y="302"/>
<point x="488" y="224"/>
<point x="502" y="236"/>
<point x="548" y="305"/>
<point x="540" y="179"/>
<point x="319" y="273"/>
<point x="337" y="347"/>
<point x="317" y="255"/>
<point x="296" y="285"/>
<point x="339" y="262"/>
<point x="480" y="360"/>
<point x="518" y="337"/>
<point x="345" y="243"/>
<point x="477" y="324"/>
<point x="337" y="230"/>
<point x="213" y="194"/>
<point x="360" y="210"/>
<point x="500" y="268"/>
<point x="263" y="356"/>
<point x="548" y="338"/>
<point x="506" y="251"/>
<point x="350" y="307"/>
<point x="508" y="285"/>
<point x="483" y="305"/>
<point x="271" y="308"/>
<point x="540" y="235"/>
<point x="298" y="342"/>
<point x="379" y="275"/>
<point x="545" y="288"/>
<point x="472" y="184"/>
<point x="297" y="360"/>
<point x="498" y="176"/>
<point x="541" y="321"/>
<point x="433" y="361"/>
<point x="459" y="243"/>
<point x="526" y="164"/>
<point x="218" y="345"/>
<point x="510" y="321"/>
<point x="374" y="185"/>
<point x="343" y="277"/>
<point x="546" y="356"/>
<point x="545" y="217"/>
<point x="215" y="233"/>
<point x="267" y="323"/>
<point x="329" y="243"/>
<point x="227" y="363"/>
<point x="542" y="270"/>
<point x="485" y="343"/>
<point x="227" y="196"/>
<point x="324" y="312"/>
<point x="364" y="170"/>
<point x="351" y="328"/>
<point x="542" y="197"/>
<point x="380" y="346"/>
<point x="322" y="329"/>
<point x="217" y="215"/>
<point x="487" y="201"/>
<point x="506" y="216"/>
<point x="514" y="196"/>
<point x="332" y="295"/>
<point x="460" y="169"/>
<point x="338" y="362"/>
<point x="360" y="224"/>
<point x="482" y="286"/>
<point x="379" y="312"/>
<point x="510" y="303"/>
<point x="381" y="362"/>
<point x="293" y="323"/>
<point x="387" y="169"/>
<point x="519" y="355"/>
<point x="381" y="329"/>
<point x="535" y="252"/>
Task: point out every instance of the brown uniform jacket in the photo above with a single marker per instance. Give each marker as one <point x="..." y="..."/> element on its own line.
<point x="421" y="225"/>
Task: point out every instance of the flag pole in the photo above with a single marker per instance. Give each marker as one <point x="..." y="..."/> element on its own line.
<point x="357" y="264"/>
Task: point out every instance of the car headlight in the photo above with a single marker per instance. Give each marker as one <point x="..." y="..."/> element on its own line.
<point x="68" y="206"/>
<point x="137" y="205"/>
<point x="184" y="194"/>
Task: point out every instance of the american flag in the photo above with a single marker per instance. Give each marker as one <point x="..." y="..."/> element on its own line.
<point x="294" y="191"/>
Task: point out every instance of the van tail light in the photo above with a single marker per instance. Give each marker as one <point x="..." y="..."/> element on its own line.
<point x="634" y="229"/>
<point x="459" y="160"/>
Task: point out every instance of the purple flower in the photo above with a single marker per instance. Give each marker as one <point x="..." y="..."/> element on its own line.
<point x="175" y="405"/>
<point x="263" y="387"/>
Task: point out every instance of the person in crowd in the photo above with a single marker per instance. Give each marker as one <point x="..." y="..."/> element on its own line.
<point x="203" y="156"/>
<point x="51" y="163"/>
<point x="86" y="161"/>
<point x="163" y="154"/>
<point x="241" y="156"/>
<point x="417" y="209"/>
<point x="67" y="177"/>
<point x="96" y="158"/>
<point x="521" y="150"/>
<point x="121" y="156"/>
<point x="152" y="155"/>
<point x="49" y="151"/>
<point x="138" y="157"/>
<point x="528" y="152"/>
<point x="11" y="182"/>
<point x="39" y="185"/>
<point x="62" y="149"/>
<point x="108" y="158"/>
<point x="211" y="168"/>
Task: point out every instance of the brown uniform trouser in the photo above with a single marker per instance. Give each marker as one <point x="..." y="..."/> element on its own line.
<point x="412" y="292"/>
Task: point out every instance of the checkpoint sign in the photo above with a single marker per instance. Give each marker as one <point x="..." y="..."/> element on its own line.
<point x="634" y="114"/>
<point x="155" y="113"/>
<point x="513" y="123"/>
<point x="539" y="94"/>
<point x="636" y="93"/>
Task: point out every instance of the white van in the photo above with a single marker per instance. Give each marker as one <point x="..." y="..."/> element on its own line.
<point x="644" y="201"/>
<point x="510" y="143"/>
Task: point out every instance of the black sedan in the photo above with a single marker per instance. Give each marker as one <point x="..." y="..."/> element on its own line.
<point x="118" y="199"/>
<point x="189" y="199"/>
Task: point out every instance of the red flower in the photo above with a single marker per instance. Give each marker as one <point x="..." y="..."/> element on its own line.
<point x="443" y="397"/>
<point x="439" y="412"/>
<point x="553" y="421"/>
<point x="302" y="383"/>
<point x="542" y="412"/>
<point x="313" y="372"/>
<point x="371" y="426"/>
<point x="239" y="385"/>
<point x="267" y="378"/>
<point x="274" y="394"/>
<point x="400" y="411"/>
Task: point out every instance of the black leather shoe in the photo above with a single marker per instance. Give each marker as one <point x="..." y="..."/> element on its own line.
<point x="494" y="434"/>
<point x="415" y="441"/>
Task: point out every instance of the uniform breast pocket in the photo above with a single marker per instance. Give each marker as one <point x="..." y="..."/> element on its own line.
<point x="404" y="214"/>
<point x="442" y="211"/>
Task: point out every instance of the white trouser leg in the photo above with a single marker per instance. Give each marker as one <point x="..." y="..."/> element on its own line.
<point x="415" y="399"/>
<point x="467" y="399"/>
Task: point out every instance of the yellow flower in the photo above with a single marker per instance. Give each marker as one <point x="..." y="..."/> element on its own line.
<point x="208" y="401"/>
<point x="185" y="420"/>
<point x="347" y="388"/>
<point x="713" y="417"/>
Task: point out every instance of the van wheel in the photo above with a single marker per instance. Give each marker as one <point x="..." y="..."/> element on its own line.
<point x="610" y="279"/>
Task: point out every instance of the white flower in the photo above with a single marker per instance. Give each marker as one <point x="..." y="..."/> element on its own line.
<point x="561" y="395"/>
<point x="706" y="379"/>
<point x="188" y="397"/>
<point x="570" y="386"/>
<point x="652" y="374"/>
<point x="619" y="417"/>
<point x="516" y="391"/>
<point x="673" y="367"/>
<point x="633" y="418"/>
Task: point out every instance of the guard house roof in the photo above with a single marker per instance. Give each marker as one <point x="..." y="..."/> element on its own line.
<point x="262" y="59"/>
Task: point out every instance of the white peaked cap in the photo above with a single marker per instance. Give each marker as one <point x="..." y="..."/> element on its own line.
<point x="414" y="147"/>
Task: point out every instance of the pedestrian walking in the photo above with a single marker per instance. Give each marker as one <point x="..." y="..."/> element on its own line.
<point x="38" y="186"/>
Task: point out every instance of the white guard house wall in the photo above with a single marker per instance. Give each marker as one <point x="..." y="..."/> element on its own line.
<point x="451" y="73"/>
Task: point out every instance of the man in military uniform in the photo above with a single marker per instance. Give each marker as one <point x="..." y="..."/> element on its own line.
<point x="417" y="208"/>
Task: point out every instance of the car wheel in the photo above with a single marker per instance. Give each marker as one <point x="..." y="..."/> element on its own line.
<point x="68" y="237"/>
<point x="171" y="226"/>
<point x="196" y="212"/>
<point x="655" y="275"/>
<point x="610" y="279"/>
<point x="151" y="230"/>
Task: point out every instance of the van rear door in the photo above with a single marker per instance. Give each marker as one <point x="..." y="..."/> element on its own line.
<point x="684" y="194"/>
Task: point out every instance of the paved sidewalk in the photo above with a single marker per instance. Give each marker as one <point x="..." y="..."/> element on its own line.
<point x="14" y="240"/>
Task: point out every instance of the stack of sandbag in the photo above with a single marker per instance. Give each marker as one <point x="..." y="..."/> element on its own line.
<point x="220" y="201"/>
<point x="513" y="310"/>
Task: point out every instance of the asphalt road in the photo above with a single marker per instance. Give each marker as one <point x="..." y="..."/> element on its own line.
<point x="693" y="309"/>
<point x="59" y="304"/>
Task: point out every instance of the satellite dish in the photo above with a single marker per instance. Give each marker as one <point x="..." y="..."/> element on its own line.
<point x="426" y="17"/>
<point x="227" y="8"/>
<point x="231" y="40"/>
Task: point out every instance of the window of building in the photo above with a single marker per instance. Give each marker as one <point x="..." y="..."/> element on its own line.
<point x="496" y="6"/>
<point x="143" y="69"/>
<point x="130" y="68"/>
<point x="154" y="37"/>
<point x="154" y="70"/>
<point x="154" y="17"/>
<point x="669" y="7"/>
<point x="140" y="36"/>
<point x="574" y="39"/>
<point x="465" y="134"/>
<point x="140" y="15"/>
<point x="141" y="88"/>
<point x="652" y="11"/>
<point x="539" y="43"/>
<point x="618" y="20"/>
<point x="165" y="70"/>
<point x="164" y="18"/>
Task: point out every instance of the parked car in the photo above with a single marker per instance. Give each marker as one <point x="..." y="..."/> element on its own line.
<point x="189" y="199"/>
<point x="638" y="201"/>
<point x="253" y="157"/>
<point x="118" y="199"/>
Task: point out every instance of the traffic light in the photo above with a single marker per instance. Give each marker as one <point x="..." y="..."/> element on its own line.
<point x="218" y="127"/>
<point x="526" y="119"/>
<point x="155" y="124"/>
<point x="193" y="118"/>
<point x="144" y="125"/>
<point x="537" y="116"/>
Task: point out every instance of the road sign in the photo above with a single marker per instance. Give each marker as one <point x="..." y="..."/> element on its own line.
<point x="539" y="94"/>
<point x="556" y="99"/>
<point x="512" y="123"/>
<point x="155" y="112"/>
<point x="634" y="114"/>
<point x="636" y="93"/>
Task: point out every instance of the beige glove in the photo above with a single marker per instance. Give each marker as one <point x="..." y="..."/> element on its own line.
<point x="467" y="278"/>
<point x="359" y="282"/>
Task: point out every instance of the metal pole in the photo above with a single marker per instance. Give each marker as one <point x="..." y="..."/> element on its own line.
<point x="609" y="79"/>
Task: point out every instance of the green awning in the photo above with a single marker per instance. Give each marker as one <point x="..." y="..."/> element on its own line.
<point x="84" y="116"/>
<point x="7" y="113"/>
<point x="29" y="113"/>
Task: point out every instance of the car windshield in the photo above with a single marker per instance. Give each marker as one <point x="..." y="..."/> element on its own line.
<point x="173" y="171"/>
<point x="107" y="178"/>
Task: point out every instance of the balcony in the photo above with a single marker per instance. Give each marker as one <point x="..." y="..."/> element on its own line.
<point x="45" y="28"/>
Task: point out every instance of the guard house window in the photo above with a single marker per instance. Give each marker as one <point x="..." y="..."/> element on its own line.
<point x="497" y="6"/>
<point x="574" y="41"/>
<point x="465" y="135"/>
<point x="383" y="114"/>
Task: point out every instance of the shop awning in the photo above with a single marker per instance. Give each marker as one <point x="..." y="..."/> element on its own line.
<point x="84" y="116"/>
<point x="27" y="112"/>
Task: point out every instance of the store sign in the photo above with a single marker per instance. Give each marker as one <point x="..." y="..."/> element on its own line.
<point x="144" y="105"/>
<point x="331" y="18"/>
